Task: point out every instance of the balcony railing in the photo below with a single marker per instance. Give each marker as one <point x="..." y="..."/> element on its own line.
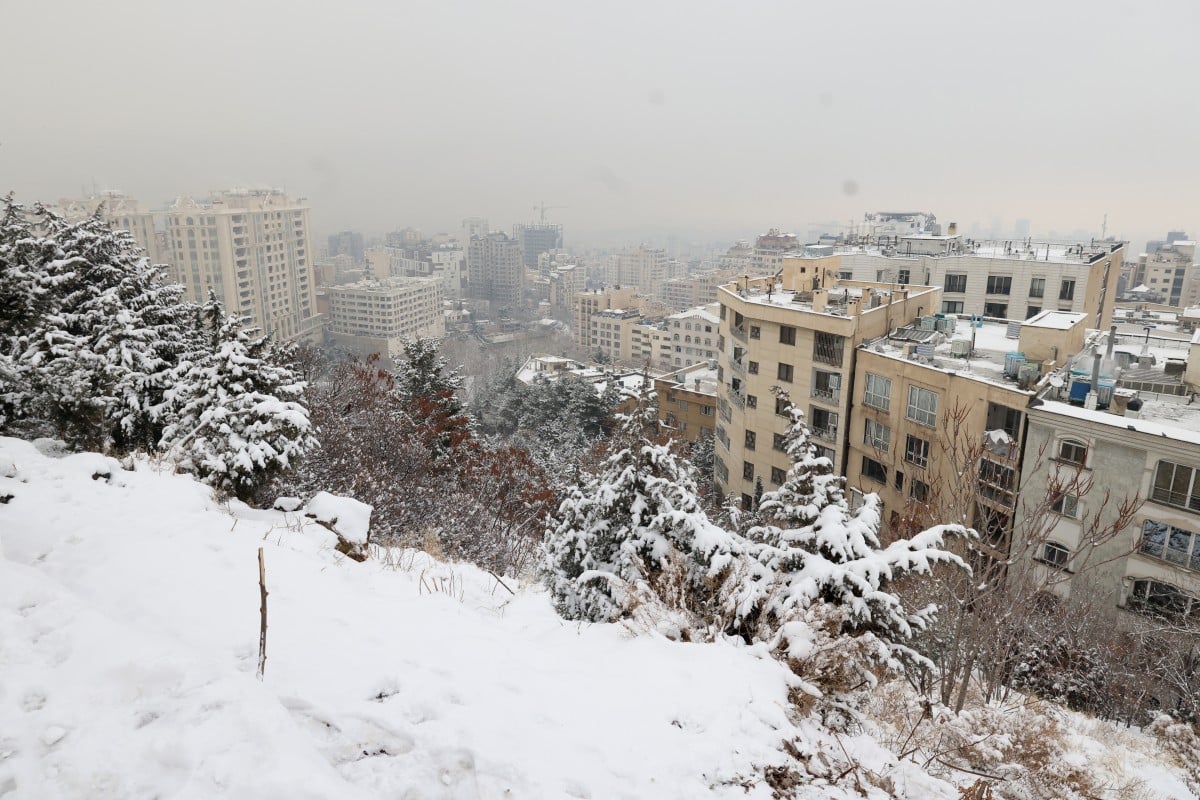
<point x="829" y="395"/>
<point x="828" y="434"/>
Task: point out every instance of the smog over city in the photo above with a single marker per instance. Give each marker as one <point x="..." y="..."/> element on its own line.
<point x="455" y="400"/>
<point x="709" y="120"/>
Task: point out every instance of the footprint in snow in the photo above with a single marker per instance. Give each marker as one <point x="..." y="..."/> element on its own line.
<point x="53" y="735"/>
<point x="33" y="700"/>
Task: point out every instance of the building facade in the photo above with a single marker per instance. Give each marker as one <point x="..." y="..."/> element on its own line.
<point x="687" y="402"/>
<point x="496" y="270"/>
<point x="254" y="250"/>
<point x="536" y="239"/>
<point x="121" y="212"/>
<point x="378" y="316"/>
<point x="803" y="342"/>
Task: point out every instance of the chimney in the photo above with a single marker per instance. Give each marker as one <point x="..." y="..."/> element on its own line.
<point x="1112" y="338"/>
<point x="953" y="229"/>
<point x="696" y="381"/>
<point x="1093" y="395"/>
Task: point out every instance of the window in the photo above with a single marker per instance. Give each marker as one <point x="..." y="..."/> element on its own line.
<point x="721" y="470"/>
<point x="823" y="452"/>
<point x="827" y="348"/>
<point x="824" y="423"/>
<point x="919" y="491"/>
<point x="1175" y="485"/>
<point x="751" y="437"/>
<point x="874" y="470"/>
<point x="877" y="436"/>
<point x="902" y="276"/>
<point x="916" y="451"/>
<point x="755" y="332"/>
<point x="778" y="476"/>
<point x="922" y="406"/>
<point x="1055" y="555"/>
<point x="781" y="406"/>
<point x="995" y="310"/>
<point x="999" y="284"/>
<point x="787" y="334"/>
<point x="1072" y="452"/>
<point x="899" y="482"/>
<point x="956" y="283"/>
<point x="1177" y="545"/>
<point x="952" y="306"/>
<point x="1032" y="311"/>
<point x="1066" y="291"/>
<point x="1037" y="287"/>
<point x="997" y="482"/>
<point x="751" y="401"/>
<point x="778" y="441"/>
<point x="682" y="404"/>
<point x="784" y="373"/>
<point x="1152" y="597"/>
<point x="1066" y="504"/>
<point x="826" y="385"/>
<point x="706" y="411"/>
<point x="752" y="367"/>
<point x="747" y="501"/>
<point x="747" y="470"/>
<point x="878" y="393"/>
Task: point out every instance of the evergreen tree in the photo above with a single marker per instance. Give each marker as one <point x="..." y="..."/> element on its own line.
<point x="235" y="418"/>
<point x="826" y="552"/>
<point x="89" y="325"/>
<point x="633" y="531"/>
<point x="427" y="394"/>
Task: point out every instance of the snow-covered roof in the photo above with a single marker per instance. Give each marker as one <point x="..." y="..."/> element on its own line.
<point x="1057" y="320"/>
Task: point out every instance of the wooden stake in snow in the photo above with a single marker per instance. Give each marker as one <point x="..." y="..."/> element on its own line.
<point x="262" y="612"/>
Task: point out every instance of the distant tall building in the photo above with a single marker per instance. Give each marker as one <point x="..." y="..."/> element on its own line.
<point x="536" y="239"/>
<point x="347" y="243"/>
<point x="121" y="213"/>
<point x="472" y="227"/>
<point x="254" y="249"/>
<point x="646" y="268"/>
<point x="496" y="269"/>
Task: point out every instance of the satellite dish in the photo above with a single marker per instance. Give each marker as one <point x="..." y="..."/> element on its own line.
<point x="1056" y="381"/>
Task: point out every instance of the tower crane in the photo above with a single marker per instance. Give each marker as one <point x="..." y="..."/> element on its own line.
<point x="543" y="208"/>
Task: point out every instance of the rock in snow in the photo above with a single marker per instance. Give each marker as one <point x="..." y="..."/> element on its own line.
<point x="349" y="518"/>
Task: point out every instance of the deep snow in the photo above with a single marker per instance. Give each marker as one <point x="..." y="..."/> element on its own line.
<point x="129" y="619"/>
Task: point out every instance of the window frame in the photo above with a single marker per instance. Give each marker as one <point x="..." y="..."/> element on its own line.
<point x="787" y="335"/>
<point x="870" y="398"/>
<point x="946" y="285"/>
<point x="915" y="413"/>
<point x="1060" y="559"/>
<point x="872" y="439"/>
<point x="1066" y="505"/>
<point x="917" y="455"/>
<point x="1190" y="498"/>
<point x="785" y="372"/>
<point x="1075" y="444"/>
<point x="868" y="472"/>
<point x="995" y="282"/>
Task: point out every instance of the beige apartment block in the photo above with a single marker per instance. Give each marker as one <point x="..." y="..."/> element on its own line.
<point x="695" y="290"/>
<point x="997" y="279"/>
<point x="648" y="269"/>
<point x="939" y="398"/>
<point x="1170" y="273"/>
<point x="803" y="342"/>
<point x="590" y="303"/>
<point x="566" y="282"/>
<point x="122" y="213"/>
<point x="379" y="316"/>
<point x="687" y="402"/>
<point x="253" y="248"/>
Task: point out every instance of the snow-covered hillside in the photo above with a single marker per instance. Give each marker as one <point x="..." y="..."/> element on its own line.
<point x="129" y="624"/>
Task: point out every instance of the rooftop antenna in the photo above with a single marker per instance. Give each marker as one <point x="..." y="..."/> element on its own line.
<point x="1104" y="227"/>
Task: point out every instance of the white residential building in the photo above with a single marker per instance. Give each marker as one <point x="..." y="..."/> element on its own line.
<point x="379" y="316"/>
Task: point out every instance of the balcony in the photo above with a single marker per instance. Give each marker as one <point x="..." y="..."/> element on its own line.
<point x="827" y="434"/>
<point x="828" y="395"/>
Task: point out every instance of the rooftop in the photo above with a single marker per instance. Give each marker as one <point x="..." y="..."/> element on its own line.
<point x="977" y="351"/>
<point x="958" y="246"/>
<point x="687" y="377"/>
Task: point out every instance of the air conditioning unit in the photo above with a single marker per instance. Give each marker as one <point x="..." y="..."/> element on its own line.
<point x="960" y="348"/>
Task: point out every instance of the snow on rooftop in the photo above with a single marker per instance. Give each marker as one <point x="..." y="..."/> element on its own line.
<point x="986" y="362"/>
<point x="1176" y="422"/>
<point x="1058" y="320"/>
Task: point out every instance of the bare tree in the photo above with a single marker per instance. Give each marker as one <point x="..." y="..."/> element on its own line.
<point x="989" y="618"/>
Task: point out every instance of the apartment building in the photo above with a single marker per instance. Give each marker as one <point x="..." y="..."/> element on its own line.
<point x="645" y="268"/>
<point x="536" y="239"/>
<point x="122" y="213"/>
<point x="687" y="402"/>
<point x="695" y="290"/>
<point x="688" y="338"/>
<point x="941" y="397"/>
<point x="253" y="248"/>
<point x="590" y="303"/>
<point x="1001" y="280"/>
<point x="378" y="316"/>
<point x="625" y="336"/>
<point x="781" y="333"/>
<point x="1169" y="274"/>
<point x="1140" y="436"/>
<point x="496" y="270"/>
<point x="769" y="250"/>
<point x="566" y="282"/>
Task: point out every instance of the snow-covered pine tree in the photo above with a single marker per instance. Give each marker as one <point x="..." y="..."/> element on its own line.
<point x="106" y="330"/>
<point x="24" y="298"/>
<point x="822" y="551"/>
<point x="235" y="418"/>
<point x="427" y="393"/>
<point x="633" y="532"/>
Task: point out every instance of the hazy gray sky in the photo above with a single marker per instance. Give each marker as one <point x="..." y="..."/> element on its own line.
<point x="706" y="117"/>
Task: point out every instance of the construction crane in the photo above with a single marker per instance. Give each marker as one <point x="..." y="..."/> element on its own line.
<point x="543" y="208"/>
